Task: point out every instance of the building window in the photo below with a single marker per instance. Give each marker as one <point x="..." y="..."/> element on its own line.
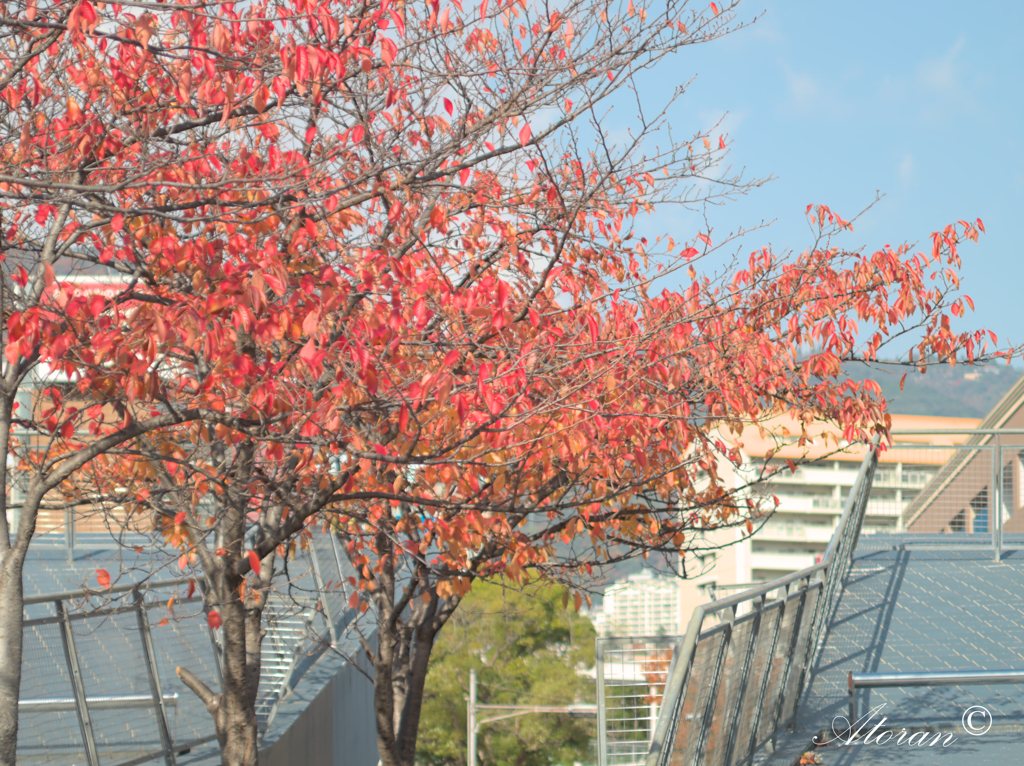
<point x="979" y="508"/>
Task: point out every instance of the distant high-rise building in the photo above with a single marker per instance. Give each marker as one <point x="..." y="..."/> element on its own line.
<point x="640" y="605"/>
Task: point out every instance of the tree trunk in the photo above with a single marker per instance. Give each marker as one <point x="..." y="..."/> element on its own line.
<point x="12" y="562"/>
<point x="400" y="672"/>
<point x="234" y="709"/>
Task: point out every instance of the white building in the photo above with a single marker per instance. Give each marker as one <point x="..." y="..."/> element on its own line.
<point x="640" y="605"/>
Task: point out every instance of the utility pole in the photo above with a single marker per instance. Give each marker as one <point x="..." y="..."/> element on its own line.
<point x="473" y="725"/>
<point x="471" y="720"/>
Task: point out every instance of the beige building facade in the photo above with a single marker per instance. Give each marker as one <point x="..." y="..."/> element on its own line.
<point x="811" y="501"/>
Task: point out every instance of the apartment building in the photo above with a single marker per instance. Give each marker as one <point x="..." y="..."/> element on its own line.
<point x="811" y="501"/>
<point x="643" y="604"/>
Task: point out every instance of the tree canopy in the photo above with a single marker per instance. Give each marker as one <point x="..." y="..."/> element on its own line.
<point x="528" y="648"/>
<point x="377" y="270"/>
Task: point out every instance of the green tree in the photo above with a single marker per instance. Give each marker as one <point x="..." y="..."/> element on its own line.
<point x="526" y="647"/>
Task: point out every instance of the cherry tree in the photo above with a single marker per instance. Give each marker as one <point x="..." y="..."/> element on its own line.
<point x="383" y="278"/>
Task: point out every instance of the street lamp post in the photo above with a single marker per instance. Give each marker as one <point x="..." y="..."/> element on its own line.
<point x="473" y="725"/>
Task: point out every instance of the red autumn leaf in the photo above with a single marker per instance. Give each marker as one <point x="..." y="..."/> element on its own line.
<point x="388" y="50"/>
<point x="276" y="284"/>
<point x="351" y="319"/>
<point x="399" y="22"/>
<point x="714" y="9"/>
<point x="179" y="518"/>
<point x="191" y="589"/>
<point x="103" y="578"/>
<point x="254" y="562"/>
<point x="162" y="622"/>
<point x="213" y="619"/>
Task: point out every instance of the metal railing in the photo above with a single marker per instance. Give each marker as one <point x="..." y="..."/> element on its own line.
<point x="930" y="678"/>
<point x="968" y="486"/>
<point x="733" y="684"/>
<point x="98" y="682"/>
<point x="738" y="673"/>
<point x="631" y="676"/>
<point x="84" y="670"/>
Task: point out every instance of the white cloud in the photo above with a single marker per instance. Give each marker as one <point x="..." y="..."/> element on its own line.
<point x="905" y="172"/>
<point x="942" y="75"/>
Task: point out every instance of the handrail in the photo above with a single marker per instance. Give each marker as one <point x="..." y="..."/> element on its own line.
<point x="98" y="702"/>
<point x="142" y="585"/>
<point x="856" y="681"/>
<point x="957" y="432"/>
<point x="840" y="548"/>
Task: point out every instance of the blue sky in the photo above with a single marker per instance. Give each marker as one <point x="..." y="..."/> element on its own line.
<point x="922" y="101"/>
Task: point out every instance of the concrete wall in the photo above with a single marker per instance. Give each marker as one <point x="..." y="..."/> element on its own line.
<point x="337" y="727"/>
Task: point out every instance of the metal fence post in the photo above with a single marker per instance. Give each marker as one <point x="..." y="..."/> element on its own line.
<point x="322" y="593"/>
<point x="787" y="669"/>
<point x="149" y="655"/>
<point x="995" y="514"/>
<point x="766" y="676"/>
<point x="69" y="533"/>
<point x="77" y="685"/>
<point x="708" y="716"/>
<point x="602" y="713"/>
<point x="732" y="728"/>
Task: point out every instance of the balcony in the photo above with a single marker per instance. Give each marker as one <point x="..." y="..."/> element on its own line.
<point x="784" y="562"/>
<point x="816" y="474"/>
<point x="812" y="533"/>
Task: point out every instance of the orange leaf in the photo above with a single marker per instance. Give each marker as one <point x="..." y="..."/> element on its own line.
<point x="103" y="578"/>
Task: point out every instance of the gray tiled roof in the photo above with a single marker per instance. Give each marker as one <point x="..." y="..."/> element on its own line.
<point x="907" y="608"/>
<point x="110" y="654"/>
